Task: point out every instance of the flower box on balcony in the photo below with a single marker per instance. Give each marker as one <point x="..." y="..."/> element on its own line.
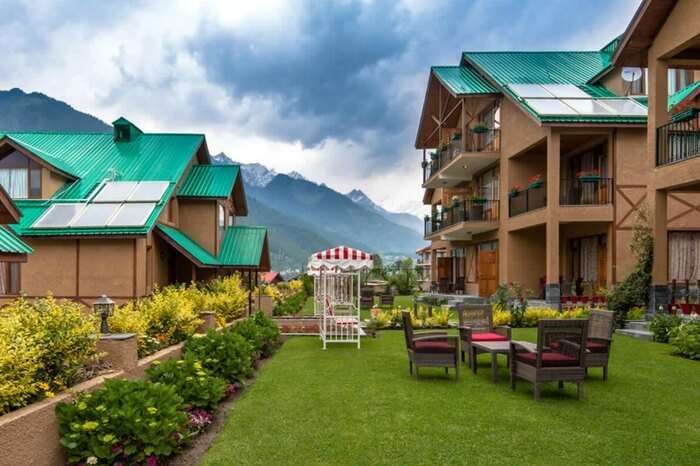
<point x="477" y="200"/>
<point x="589" y="178"/>
<point x="434" y="156"/>
<point x="514" y="193"/>
<point x="535" y="182"/>
<point x="480" y="129"/>
<point x="457" y="136"/>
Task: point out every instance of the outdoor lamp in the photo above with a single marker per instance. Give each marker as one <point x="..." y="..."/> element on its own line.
<point x="104" y="308"/>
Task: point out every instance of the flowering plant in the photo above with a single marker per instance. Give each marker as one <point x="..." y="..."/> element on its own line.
<point x="197" y="387"/>
<point x="515" y="190"/>
<point x="535" y="179"/>
<point x="588" y="174"/>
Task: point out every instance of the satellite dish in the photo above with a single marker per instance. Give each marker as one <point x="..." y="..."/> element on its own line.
<point x="631" y="74"/>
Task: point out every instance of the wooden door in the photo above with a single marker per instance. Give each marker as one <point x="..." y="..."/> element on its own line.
<point x="488" y="272"/>
<point x="444" y="268"/>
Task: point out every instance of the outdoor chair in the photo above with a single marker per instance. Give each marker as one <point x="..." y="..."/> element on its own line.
<point x="559" y="355"/>
<point x="430" y="349"/>
<point x="386" y="299"/>
<point x="600" y="330"/>
<point x="476" y="324"/>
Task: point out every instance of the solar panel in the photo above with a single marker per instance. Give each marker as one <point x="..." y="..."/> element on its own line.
<point x="59" y="216"/>
<point x="625" y="107"/>
<point x="115" y="191"/>
<point x="148" y="191"/>
<point x="588" y="107"/>
<point x="132" y="214"/>
<point x="550" y="107"/>
<point x="529" y="90"/>
<point x="565" y="91"/>
<point x="95" y="215"/>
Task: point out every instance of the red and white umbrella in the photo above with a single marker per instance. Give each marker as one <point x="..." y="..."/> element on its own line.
<point x="339" y="259"/>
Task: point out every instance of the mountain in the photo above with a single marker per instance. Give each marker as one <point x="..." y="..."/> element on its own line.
<point x="254" y="174"/>
<point x="335" y="215"/>
<point x="404" y="219"/>
<point x="37" y="112"/>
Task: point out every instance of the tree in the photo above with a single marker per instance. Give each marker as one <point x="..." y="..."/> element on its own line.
<point x="404" y="277"/>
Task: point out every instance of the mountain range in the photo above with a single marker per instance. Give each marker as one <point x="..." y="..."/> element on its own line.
<point x="301" y="216"/>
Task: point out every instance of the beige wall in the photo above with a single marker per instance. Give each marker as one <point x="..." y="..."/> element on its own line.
<point x="52" y="267"/>
<point x="50" y="183"/>
<point x="526" y="257"/>
<point x="198" y="221"/>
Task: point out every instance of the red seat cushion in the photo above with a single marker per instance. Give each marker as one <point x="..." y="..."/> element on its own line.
<point x="550" y="359"/>
<point x="487" y="336"/>
<point x="434" y="347"/>
<point x="595" y="347"/>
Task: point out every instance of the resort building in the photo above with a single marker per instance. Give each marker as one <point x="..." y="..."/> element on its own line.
<point x="534" y="163"/>
<point x="119" y="213"/>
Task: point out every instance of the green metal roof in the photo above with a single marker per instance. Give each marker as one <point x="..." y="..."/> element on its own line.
<point x="463" y="80"/>
<point x="242" y="246"/>
<point x="676" y="98"/>
<point x="209" y="181"/>
<point x="10" y="244"/>
<point x="188" y="244"/>
<point x="539" y="67"/>
<point x="95" y="157"/>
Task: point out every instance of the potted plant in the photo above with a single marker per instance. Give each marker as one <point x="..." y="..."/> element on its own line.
<point x="535" y="182"/>
<point x="588" y="176"/>
<point x="456" y="201"/>
<point x="514" y="191"/>
<point x="457" y="136"/>
<point x="424" y="164"/>
<point x="480" y="128"/>
<point x="434" y="156"/>
<point x="476" y="207"/>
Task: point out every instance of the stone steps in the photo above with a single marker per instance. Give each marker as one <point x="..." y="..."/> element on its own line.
<point x="641" y="334"/>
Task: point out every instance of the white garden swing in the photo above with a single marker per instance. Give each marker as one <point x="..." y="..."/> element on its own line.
<point x="336" y="273"/>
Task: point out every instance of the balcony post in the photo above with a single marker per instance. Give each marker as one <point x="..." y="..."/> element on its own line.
<point x="552" y="290"/>
<point x="658" y="295"/>
<point x="658" y="112"/>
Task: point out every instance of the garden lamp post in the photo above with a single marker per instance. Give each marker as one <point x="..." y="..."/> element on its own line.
<point x="104" y="308"/>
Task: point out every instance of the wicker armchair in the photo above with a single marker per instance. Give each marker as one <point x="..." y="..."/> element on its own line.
<point x="558" y="356"/>
<point x="386" y="299"/>
<point x="476" y="324"/>
<point x="600" y="330"/>
<point x="430" y="349"/>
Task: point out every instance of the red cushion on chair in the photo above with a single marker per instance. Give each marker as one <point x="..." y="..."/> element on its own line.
<point x="434" y="347"/>
<point x="552" y="359"/>
<point x="595" y="347"/>
<point x="488" y="336"/>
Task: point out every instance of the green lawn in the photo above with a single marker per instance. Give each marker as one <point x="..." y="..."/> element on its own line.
<point x="349" y="406"/>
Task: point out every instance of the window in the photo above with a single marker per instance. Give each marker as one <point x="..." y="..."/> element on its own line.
<point x="20" y="176"/>
<point x="684" y="256"/>
<point x="639" y="87"/>
<point x="489" y="184"/>
<point x="222" y="222"/>
<point x="678" y="79"/>
<point x="9" y="278"/>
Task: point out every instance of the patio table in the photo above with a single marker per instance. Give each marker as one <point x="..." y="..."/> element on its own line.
<point x="493" y="348"/>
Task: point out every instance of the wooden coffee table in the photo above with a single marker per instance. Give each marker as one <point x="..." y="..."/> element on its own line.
<point x="493" y="348"/>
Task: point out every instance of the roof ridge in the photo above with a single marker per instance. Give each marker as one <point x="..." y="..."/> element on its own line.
<point x="532" y="51"/>
<point x="92" y="133"/>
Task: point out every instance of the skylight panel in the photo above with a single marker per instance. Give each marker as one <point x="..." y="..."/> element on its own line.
<point x="625" y="107"/>
<point x="530" y="90"/>
<point x="588" y="107"/>
<point x="115" y="191"/>
<point x="133" y="214"/>
<point x="566" y="91"/>
<point x="550" y="107"/>
<point x="148" y="191"/>
<point x="95" y="215"/>
<point x="59" y="216"/>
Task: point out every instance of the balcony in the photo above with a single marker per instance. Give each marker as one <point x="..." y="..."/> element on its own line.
<point x="451" y="164"/>
<point x="475" y="216"/>
<point x="586" y="191"/>
<point x="678" y="141"/>
<point x="530" y="199"/>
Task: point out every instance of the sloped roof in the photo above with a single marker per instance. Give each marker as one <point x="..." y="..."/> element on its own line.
<point x="463" y="80"/>
<point x="209" y="181"/>
<point x="242" y="247"/>
<point x="94" y="157"/>
<point x="10" y="244"/>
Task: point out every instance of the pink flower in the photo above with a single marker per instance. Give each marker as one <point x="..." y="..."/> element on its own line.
<point x="117" y="447"/>
<point x="152" y="461"/>
<point x="231" y="389"/>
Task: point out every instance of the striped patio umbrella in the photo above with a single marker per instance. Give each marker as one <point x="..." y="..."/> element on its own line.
<point x="339" y="259"/>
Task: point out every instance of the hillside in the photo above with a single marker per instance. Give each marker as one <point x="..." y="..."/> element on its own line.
<point x="37" y="112"/>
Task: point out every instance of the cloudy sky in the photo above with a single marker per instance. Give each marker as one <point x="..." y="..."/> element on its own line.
<point x="330" y="89"/>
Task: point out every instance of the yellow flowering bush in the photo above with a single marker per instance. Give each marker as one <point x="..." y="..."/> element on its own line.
<point x="45" y="346"/>
<point x="227" y="297"/>
<point x="533" y="314"/>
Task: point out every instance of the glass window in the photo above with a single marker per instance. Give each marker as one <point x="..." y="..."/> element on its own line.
<point x="9" y="278"/>
<point x="34" y="180"/>
<point x="20" y="176"/>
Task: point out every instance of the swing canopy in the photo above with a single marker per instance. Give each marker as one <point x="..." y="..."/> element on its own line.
<point x="339" y="259"/>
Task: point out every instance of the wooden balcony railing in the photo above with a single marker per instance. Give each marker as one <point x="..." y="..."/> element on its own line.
<point x="465" y="211"/>
<point x="489" y="141"/>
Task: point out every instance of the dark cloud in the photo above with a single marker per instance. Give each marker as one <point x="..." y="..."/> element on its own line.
<point x="332" y="71"/>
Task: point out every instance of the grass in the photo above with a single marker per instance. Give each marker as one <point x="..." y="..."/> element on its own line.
<point x="349" y="406"/>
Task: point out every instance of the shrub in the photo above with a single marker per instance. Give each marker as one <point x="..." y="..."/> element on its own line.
<point x="197" y="387"/>
<point x="291" y="305"/>
<point x="225" y="354"/>
<point x="270" y="333"/>
<point x="440" y="318"/>
<point x="662" y="324"/>
<point x="45" y="347"/>
<point x="686" y="339"/>
<point x="501" y="317"/>
<point x="533" y="315"/>
<point x="124" y="422"/>
<point x="512" y="298"/>
<point x="227" y="297"/>
<point x="637" y="313"/>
